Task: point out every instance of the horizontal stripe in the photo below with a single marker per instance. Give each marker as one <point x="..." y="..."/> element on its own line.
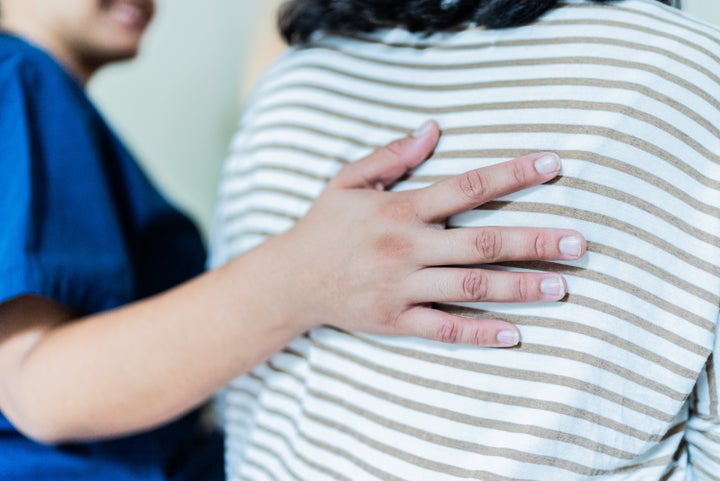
<point x="455" y="416"/>
<point x="687" y="25"/>
<point x="478" y="394"/>
<point x="513" y="83"/>
<point x="619" y="313"/>
<point x="605" y="365"/>
<point x="533" y="376"/>
<point x="589" y="130"/>
<point x="595" y="158"/>
<point x="523" y="457"/>
<point x="532" y="62"/>
<point x="527" y="105"/>
<point x="507" y="453"/>
<point x="269" y="451"/>
<point x="633" y="26"/>
<point x="707" y="475"/>
<point x="259" y="467"/>
<point x="564" y="41"/>
<point x="314" y="441"/>
<point x="613" y="223"/>
<point x="576" y="327"/>
<point x="655" y="270"/>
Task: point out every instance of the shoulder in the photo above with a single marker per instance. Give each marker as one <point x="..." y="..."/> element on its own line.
<point x="26" y="70"/>
<point x="642" y="19"/>
<point x="660" y="14"/>
<point x="20" y="61"/>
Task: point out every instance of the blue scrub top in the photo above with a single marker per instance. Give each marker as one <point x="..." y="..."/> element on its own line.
<point x="82" y="225"/>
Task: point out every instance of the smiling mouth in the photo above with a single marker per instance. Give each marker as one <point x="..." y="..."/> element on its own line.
<point x="132" y="14"/>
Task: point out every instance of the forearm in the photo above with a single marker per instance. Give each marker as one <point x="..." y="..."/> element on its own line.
<point x="144" y="364"/>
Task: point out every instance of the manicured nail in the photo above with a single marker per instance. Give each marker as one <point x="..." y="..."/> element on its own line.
<point x="553" y="286"/>
<point x="570" y="246"/>
<point x="547" y="164"/>
<point x="508" y="338"/>
<point x="423" y="129"/>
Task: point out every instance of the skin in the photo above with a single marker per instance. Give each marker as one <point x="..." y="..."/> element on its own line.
<point x="363" y="259"/>
<point x="83" y="35"/>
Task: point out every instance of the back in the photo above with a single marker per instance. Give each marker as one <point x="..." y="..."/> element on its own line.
<point x="619" y="381"/>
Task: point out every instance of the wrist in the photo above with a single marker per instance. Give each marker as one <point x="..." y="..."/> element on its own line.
<point x="271" y="285"/>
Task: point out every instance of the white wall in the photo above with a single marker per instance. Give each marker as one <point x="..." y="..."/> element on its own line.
<point x="708" y="10"/>
<point x="178" y="104"/>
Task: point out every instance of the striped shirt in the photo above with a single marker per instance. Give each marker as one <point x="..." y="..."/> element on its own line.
<point x="619" y="382"/>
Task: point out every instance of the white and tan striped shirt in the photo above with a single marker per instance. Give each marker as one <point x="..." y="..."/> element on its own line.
<point x="617" y="383"/>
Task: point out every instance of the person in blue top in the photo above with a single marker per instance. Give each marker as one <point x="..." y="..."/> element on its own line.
<point x="111" y="337"/>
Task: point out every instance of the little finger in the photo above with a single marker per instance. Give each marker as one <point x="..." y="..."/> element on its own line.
<point x="440" y="326"/>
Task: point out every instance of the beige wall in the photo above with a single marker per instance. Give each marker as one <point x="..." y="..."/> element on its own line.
<point x="178" y="104"/>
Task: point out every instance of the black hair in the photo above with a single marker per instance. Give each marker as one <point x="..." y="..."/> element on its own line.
<point x="299" y="19"/>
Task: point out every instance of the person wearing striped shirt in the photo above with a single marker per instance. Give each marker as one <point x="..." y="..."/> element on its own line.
<point x="620" y="381"/>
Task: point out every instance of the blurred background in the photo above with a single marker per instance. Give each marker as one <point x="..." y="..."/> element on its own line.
<point x="177" y="105"/>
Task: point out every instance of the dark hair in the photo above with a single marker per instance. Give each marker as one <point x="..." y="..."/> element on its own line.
<point x="299" y="19"/>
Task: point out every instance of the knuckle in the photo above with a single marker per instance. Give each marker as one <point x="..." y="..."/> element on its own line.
<point x="480" y="337"/>
<point x="345" y="169"/>
<point x="488" y="244"/>
<point x="393" y="323"/>
<point x="401" y="209"/>
<point x="518" y="173"/>
<point x="522" y="290"/>
<point x="396" y="148"/>
<point x="449" y="331"/>
<point x="474" y="185"/>
<point x="475" y="286"/>
<point x="541" y="246"/>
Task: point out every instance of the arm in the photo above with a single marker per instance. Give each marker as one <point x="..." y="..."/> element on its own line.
<point x="63" y="378"/>
<point x="702" y="433"/>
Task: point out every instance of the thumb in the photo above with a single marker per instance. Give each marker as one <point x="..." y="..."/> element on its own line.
<point x="385" y="166"/>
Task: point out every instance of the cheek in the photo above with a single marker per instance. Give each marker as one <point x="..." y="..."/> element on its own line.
<point x="107" y="39"/>
<point x="76" y="23"/>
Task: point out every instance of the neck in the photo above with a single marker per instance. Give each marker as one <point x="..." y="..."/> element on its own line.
<point x="79" y="68"/>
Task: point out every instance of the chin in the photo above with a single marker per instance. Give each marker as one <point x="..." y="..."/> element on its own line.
<point x="97" y="58"/>
<point x="124" y="52"/>
<point x="118" y="46"/>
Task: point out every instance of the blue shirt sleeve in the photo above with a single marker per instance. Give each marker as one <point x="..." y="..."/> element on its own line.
<point x="82" y="223"/>
<point x="61" y="236"/>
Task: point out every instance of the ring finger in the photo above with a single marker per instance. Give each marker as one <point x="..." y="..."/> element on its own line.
<point x="439" y="284"/>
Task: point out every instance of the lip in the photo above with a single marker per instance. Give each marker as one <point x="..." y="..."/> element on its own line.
<point x="133" y="14"/>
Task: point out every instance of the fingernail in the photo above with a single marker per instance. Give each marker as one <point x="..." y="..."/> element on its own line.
<point x="570" y="246"/>
<point x="553" y="286"/>
<point x="508" y="338"/>
<point x="547" y="164"/>
<point x="423" y="129"/>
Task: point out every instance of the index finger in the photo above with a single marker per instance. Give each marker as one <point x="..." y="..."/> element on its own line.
<point x="476" y="187"/>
